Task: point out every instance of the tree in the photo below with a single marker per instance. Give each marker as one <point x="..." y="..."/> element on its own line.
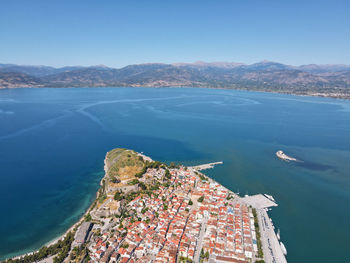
<point x="190" y="202"/>
<point x="167" y="174"/>
<point x="200" y="199"/>
<point x="142" y="186"/>
<point x="133" y="182"/>
<point x="118" y="195"/>
<point x="88" y="217"/>
<point x="114" y="180"/>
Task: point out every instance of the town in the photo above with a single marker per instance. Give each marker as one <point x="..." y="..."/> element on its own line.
<point x="190" y="220"/>
<point x="147" y="211"/>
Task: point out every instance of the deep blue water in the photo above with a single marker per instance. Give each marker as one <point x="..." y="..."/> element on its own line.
<point x="53" y="142"/>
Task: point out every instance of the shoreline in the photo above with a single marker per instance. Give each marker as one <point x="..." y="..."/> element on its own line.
<point x="81" y="219"/>
<point x="197" y="168"/>
<point x="345" y="97"/>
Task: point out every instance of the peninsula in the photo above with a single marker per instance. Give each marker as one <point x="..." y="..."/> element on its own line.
<point x="148" y="211"/>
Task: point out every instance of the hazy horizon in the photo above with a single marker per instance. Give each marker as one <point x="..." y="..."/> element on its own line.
<point x="116" y="34"/>
<point x="174" y="63"/>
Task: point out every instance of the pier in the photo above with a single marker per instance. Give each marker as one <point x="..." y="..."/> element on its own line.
<point x="205" y="166"/>
<point x="259" y="201"/>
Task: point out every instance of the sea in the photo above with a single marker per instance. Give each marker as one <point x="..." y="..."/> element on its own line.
<point x="53" y="142"/>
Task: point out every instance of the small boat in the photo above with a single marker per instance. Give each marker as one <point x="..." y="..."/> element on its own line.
<point x="284" y="250"/>
<point x="278" y="234"/>
<point x="270" y="197"/>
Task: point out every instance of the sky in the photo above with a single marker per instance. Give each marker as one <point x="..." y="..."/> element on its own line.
<point x="118" y="33"/>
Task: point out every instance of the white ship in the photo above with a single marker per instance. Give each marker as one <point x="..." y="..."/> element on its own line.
<point x="284" y="250"/>
<point x="280" y="154"/>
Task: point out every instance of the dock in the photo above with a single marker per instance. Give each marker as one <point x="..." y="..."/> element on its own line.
<point x="205" y="166"/>
<point x="259" y="201"/>
<point x="273" y="251"/>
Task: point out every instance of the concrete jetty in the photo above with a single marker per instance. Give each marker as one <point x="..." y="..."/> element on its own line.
<point x="259" y="201"/>
<point x="205" y="166"/>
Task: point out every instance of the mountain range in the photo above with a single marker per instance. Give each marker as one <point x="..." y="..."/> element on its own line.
<point x="321" y="80"/>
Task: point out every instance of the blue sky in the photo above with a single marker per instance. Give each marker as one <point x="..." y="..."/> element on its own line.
<point x="118" y="33"/>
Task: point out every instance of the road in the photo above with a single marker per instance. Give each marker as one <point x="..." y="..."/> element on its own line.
<point x="200" y="239"/>
<point x="271" y="247"/>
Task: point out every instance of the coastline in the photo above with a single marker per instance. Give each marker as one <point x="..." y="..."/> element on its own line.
<point x="262" y="211"/>
<point x="62" y="236"/>
<point x="337" y="96"/>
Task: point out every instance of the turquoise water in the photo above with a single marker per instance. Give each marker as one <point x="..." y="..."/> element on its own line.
<point x="53" y="142"/>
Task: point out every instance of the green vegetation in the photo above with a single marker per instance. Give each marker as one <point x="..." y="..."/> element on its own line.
<point x="131" y="196"/>
<point x="156" y="165"/>
<point x="120" y="158"/>
<point x="61" y="248"/>
<point x="125" y="245"/>
<point x="258" y="236"/>
<point x="133" y="182"/>
<point x="88" y="217"/>
<point x="167" y="174"/>
<point x="190" y="202"/>
<point x="142" y="186"/>
<point x="147" y="165"/>
<point x="202" y="177"/>
<point x="165" y="207"/>
<point x="101" y="198"/>
<point x="185" y="260"/>
<point x="167" y="184"/>
<point x="200" y="199"/>
<point x="142" y="172"/>
<point x="118" y="195"/>
<point x="114" y="179"/>
<point x="203" y="256"/>
<point x="229" y="197"/>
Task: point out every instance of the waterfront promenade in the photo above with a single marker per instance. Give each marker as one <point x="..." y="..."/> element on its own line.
<point x="271" y="247"/>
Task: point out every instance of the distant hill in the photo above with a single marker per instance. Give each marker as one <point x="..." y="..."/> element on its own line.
<point x="18" y="80"/>
<point x="321" y="80"/>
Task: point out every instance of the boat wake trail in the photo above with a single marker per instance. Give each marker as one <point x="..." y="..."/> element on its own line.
<point x="44" y="124"/>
